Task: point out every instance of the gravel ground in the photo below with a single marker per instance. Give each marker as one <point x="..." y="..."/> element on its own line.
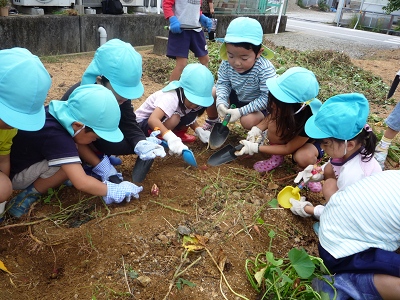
<point x="299" y="41"/>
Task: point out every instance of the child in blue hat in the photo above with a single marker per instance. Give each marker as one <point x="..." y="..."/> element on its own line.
<point x="291" y="102"/>
<point x="177" y="106"/>
<point x="341" y="126"/>
<point x="48" y="157"/>
<point x="242" y="75"/>
<point x="117" y="66"/>
<point x="21" y="105"/>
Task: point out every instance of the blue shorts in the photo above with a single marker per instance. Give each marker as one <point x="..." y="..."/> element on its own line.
<point x="348" y="286"/>
<point x="393" y="120"/>
<point x="372" y="260"/>
<point x="233" y="99"/>
<point x="179" y="44"/>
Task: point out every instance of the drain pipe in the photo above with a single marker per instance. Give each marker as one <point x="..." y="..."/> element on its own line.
<point x="103" y="35"/>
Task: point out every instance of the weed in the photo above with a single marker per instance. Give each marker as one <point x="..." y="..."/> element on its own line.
<point x="181" y="282"/>
<point x="323" y="6"/>
<point x="285" y="278"/>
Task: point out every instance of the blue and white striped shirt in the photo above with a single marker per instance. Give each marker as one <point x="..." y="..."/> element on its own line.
<point x="364" y="215"/>
<point x="250" y="87"/>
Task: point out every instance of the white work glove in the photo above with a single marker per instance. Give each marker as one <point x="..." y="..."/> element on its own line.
<point x="204" y="135"/>
<point x="222" y="110"/>
<point x="254" y="135"/>
<point x="147" y="150"/>
<point x="235" y="114"/>
<point x="104" y="169"/>
<point x="175" y="144"/>
<point x="116" y="193"/>
<point x="298" y="207"/>
<point x="248" y="148"/>
<point x="307" y="175"/>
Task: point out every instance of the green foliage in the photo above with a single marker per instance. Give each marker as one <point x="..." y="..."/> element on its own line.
<point x="181" y="282"/>
<point x="392" y="6"/>
<point x="323" y="6"/>
<point x="301" y="4"/>
<point x="286" y="278"/>
<point x="4" y="3"/>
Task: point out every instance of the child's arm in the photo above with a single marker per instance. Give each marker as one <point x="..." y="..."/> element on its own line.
<point x="305" y="209"/>
<point x="284" y="149"/>
<point x="155" y="120"/>
<point x="204" y="135"/>
<point x="5" y="164"/>
<point x="88" y="155"/>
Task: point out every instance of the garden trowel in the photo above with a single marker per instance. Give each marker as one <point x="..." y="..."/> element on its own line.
<point x="224" y="155"/>
<point x="219" y="132"/>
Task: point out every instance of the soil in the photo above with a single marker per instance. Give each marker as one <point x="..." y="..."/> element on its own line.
<point x="74" y="247"/>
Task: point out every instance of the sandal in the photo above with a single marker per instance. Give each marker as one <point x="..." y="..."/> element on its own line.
<point x="315" y="187"/>
<point x="269" y="164"/>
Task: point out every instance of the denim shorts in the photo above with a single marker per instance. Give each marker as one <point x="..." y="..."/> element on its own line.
<point x="393" y="120"/>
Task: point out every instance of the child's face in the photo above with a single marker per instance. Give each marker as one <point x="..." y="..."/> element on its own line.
<point x="190" y="105"/>
<point x="333" y="148"/>
<point x="240" y="58"/>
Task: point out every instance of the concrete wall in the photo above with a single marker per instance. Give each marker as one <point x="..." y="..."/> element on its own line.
<point x="55" y="34"/>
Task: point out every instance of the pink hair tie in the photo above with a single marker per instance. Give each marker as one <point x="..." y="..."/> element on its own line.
<point x="367" y="128"/>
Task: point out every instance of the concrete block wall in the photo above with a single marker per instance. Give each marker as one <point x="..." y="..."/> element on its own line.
<point x="55" y="34"/>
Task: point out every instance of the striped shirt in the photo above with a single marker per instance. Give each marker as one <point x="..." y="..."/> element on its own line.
<point x="364" y="215"/>
<point x="250" y="87"/>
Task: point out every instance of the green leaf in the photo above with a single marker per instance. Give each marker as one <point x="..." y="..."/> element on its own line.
<point x="181" y="282"/>
<point x="259" y="221"/>
<point x="273" y="203"/>
<point x="272" y="261"/>
<point x="259" y="276"/>
<point x="301" y="262"/>
<point x="271" y="234"/>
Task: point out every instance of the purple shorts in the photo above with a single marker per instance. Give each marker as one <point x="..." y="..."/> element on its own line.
<point x="179" y="44"/>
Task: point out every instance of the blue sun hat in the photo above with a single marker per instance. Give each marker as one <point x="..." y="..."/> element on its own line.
<point x="94" y="106"/>
<point x="342" y="117"/>
<point x="197" y="82"/>
<point x="24" y="84"/>
<point x="244" y="30"/>
<point x="121" y="65"/>
<point x="296" y="85"/>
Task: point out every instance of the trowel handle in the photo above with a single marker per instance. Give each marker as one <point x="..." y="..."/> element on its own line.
<point x="299" y="187"/>
<point x="228" y="116"/>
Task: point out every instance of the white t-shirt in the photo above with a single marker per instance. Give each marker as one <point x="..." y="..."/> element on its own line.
<point x="363" y="215"/>
<point x="168" y="102"/>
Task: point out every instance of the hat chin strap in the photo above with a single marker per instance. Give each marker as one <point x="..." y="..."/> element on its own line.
<point x="79" y="130"/>
<point x="345" y="147"/>
<point x="304" y="104"/>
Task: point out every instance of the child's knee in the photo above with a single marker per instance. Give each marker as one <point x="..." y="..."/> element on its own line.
<point x="5" y="187"/>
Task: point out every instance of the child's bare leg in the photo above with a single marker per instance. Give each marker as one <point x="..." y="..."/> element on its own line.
<point x="204" y="60"/>
<point x="172" y="122"/>
<point x="387" y="286"/>
<point x="43" y="184"/>
<point x="212" y="112"/>
<point x="251" y="120"/>
<point x="5" y="187"/>
<point x="181" y="63"/>
<point x="329" y="188"/>
<point x="306" y="155"/>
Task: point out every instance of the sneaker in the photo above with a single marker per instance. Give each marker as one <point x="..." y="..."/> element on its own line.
<point x="269" y="164"/>
<point x="20" y="204"/>
<point x="380" y="156"/>
<point x="186" y="138"/>
<point x="209" y="124"/>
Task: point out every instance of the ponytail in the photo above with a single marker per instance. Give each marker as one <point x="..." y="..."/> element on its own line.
<point x="368" y="140"/>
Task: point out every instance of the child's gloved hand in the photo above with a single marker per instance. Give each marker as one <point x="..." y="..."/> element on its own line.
<point x="222" y="110"/>
<point x="254" y="135"/>
<point x="116" y="193"/>
<point x="204" y="135"/>
<point x="174" y="25"/>
<point x="206" y="22"/>
<point x="147" y="149"/>
<point x="104" y="169"/>
<point x="298" y="207"/>
<point x="235" y="114"/>
<point x="249" y="148"/>
<point x="175" y="144"/>
<point x="309" y="174"/>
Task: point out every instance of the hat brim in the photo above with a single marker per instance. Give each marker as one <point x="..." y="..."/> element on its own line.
<point x="27" y="122"/>
<point x="267" y="53"/>
<point x="114" y="136"/>
<point x="172" y="86"/>
<point x="131" y="92"/>
<point x="201" y="101"/>
<point x="313" y="131"/>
